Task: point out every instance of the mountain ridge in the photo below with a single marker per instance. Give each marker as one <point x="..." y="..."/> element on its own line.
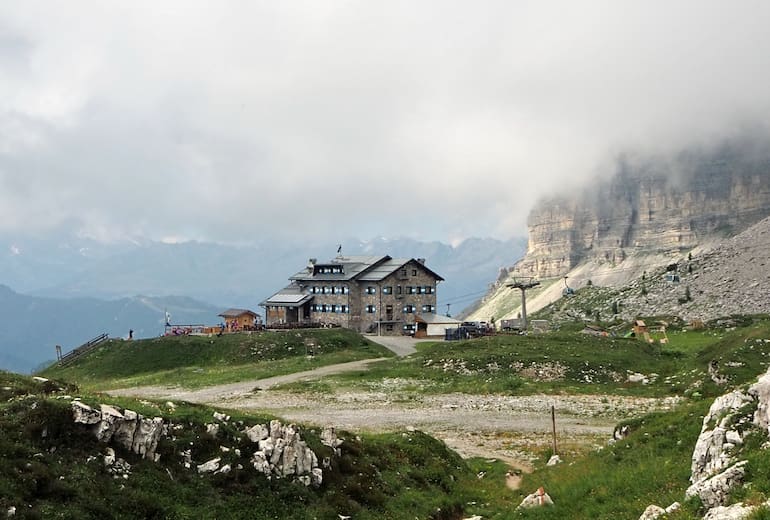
<point x="598" y="237"/>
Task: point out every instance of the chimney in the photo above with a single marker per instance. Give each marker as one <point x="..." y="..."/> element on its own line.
<point x="421" y="260"/>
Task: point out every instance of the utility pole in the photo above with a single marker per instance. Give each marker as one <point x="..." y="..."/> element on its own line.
<point x="447" y="310"/>
<point x="523" y="284"/>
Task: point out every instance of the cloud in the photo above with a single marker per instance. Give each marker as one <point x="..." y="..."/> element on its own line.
<point x="436" y="120"/>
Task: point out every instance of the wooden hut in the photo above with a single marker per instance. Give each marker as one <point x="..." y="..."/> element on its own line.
<point x="240" y="319"/>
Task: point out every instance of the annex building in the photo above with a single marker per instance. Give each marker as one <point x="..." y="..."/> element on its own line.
<point x="363" y="293"/>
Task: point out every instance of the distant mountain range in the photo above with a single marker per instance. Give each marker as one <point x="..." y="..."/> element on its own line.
<point x="33" y="325"/>
<point x="62" y="289"/>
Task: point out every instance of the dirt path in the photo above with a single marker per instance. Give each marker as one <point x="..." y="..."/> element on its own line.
<point x="509" y="428"/>
<point x="220" y="393"/>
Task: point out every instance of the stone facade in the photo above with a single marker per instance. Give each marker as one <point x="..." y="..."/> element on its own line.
<point x="366" y="294"/>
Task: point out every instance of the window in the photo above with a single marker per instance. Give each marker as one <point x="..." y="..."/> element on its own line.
<point x="315" y="289"/>
<point x="428" y="308"/>
<point x="414" y="272"/>
<point x="344" y="289"/>
<point x="398" y="289"/>
<point x="313" y="307"/>
<point x="403" y="271"/>
<point x="389" y="327"/>
<point x="428" y="289"/>
<point x="387" y="290"/>
<point x="338" y="309"/>
<point x="409" y="309"/>
<point x="337" y="270"/>
<point x="371" y="309"/>
<point x="409" y="289"/>
<point x="327" y="290"/>
<point x="345" y="309"/>
<point x="371" y="289"/>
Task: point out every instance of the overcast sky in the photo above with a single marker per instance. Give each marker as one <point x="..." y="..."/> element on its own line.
<point x="437" y="120"/>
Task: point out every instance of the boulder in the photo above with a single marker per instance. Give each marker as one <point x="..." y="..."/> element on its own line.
<point x="537" y="499"/>
<point x="210" y="466"/>
<point x="652" y="512"/>
<point x="715" y="491"/>
<point x="84" y="414"/>
<point x="734" y="512"/>
<point x="256" y="433"/>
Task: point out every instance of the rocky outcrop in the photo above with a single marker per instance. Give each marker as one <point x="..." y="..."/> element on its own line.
<point x="648" y="206"/>
<point x="647" y="216"/>
<point x="126" y="428"/>
<point x="713" y="449"/>
<point x="280" y="453"/>
<point x="715" y="470"/>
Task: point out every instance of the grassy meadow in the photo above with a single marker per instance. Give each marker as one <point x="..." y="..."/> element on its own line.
<point x="199" y="361"/>
<point x="403" y="474"/>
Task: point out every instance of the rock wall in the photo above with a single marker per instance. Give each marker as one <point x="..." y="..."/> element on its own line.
<point x="653" y="206"/>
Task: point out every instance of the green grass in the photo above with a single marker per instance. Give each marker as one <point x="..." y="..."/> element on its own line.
<point x="197" y="361"/>
<point x="567" y="361"/>
<point x="52" y="468"/>
<point x="650" y="466"/>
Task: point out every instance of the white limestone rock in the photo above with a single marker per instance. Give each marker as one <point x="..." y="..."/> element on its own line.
<point x="734" y="512"/>
<point x="652" y="512"/>
<point x="210" y="466"/>
<point x="260" y="462"/>
<point x="109" y="457"/>
<point x="256" y="433"/>
<point x="148" y="433"/>
<point x="316" y="477"/>
<point x="553" y="461"/>
<point x="84" y="414"/>
<point x="761" y="392"/>
<point x="537" y="499"/>
<point x="221" y="417"/>
<point x="710" y="454"/>
<point x="715" y="491"/>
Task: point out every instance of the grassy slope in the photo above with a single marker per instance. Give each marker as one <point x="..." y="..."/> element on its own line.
<point x="651" y="466"/>
<point x="196" y="361"/>
<point x="509" y="364"/>
<point x="52" y="468"/>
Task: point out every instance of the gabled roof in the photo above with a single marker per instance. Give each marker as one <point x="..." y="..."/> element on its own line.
<point x="352" y="268"/>
<point x="390" y="266"/>
<point x="234" y="313"/>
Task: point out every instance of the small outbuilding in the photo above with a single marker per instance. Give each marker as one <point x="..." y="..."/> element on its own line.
<point x="431" y="325"/>
<point x="640" y="328"/>
<point x="240" y="319"/>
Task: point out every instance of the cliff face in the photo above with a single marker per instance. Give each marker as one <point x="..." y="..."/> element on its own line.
<point x="649" y="208"/>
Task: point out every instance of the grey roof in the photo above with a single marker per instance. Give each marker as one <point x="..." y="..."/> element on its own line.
<point x="359" y="268"/>
<point x="352" y="266"/>
<point x="389" y="267"/>
<point x="234" y="313"/>
<point x="289" y="296"/>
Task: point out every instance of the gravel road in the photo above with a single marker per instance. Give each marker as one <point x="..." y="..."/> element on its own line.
<point x="509" y="428"/>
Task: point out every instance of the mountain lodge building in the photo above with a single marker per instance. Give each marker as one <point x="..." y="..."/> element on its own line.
<point x="362" y="293"/>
